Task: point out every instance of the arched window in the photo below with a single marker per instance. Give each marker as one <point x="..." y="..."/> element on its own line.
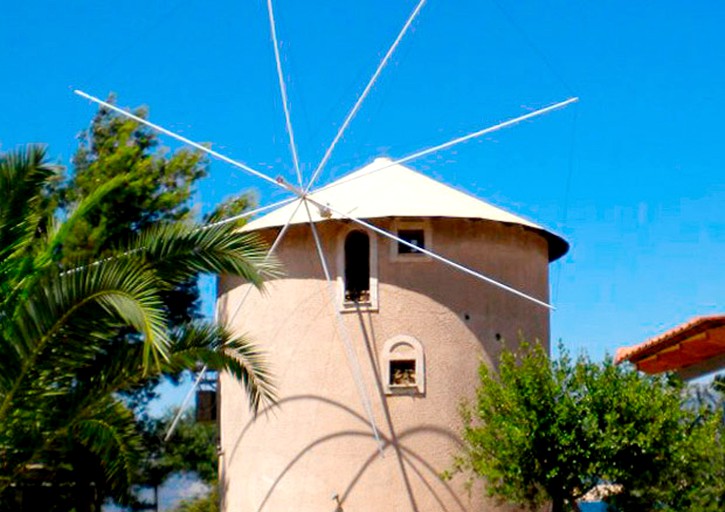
<point x="357" y="267"/>
<point x="357" y="270"/>
<point x="403" y="366"/>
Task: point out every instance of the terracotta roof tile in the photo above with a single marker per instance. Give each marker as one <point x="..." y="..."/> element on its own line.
<point x="686" y="344"/>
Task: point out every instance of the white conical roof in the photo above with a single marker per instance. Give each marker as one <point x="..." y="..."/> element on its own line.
<point x="385" y="189"/>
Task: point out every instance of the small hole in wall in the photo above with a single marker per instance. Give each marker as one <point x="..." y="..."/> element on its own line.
<point x="467" y="316"/>
<point x="498" y="336"/>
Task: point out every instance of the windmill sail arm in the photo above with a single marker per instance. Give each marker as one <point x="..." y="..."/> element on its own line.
<point x="283" y="92"/>
<point x="485" y="131"/>
<point x="180" y="138"/>
<point x="363" y="95"/>
<point x="250" y="213"/>
<point x="272" y="249"/>
<point x="459" y="140"/>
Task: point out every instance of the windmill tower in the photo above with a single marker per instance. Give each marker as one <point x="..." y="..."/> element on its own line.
<point x="367" y="417"/>
<point x="418" y="331"/>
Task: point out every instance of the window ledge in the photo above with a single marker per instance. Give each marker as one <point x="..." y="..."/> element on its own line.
<point x="403" y="390"/>
<point x="352" y="307"/>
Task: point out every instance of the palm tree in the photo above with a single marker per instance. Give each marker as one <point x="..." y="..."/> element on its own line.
<point x="75" y="335"/>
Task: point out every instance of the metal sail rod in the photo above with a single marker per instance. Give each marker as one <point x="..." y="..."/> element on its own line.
<point x="345" y="335"/>
<point x="283" y="92"/>
<point x="180" y="138"/>
<point x="453" y="142"/>
<point x="485" y="131"/>
<point x="249" y="213"/>
<point x="101" y="261"/>
<point x="364" y="95"/>
<point x="187" y="398"/>
<point x="433" y="255"/>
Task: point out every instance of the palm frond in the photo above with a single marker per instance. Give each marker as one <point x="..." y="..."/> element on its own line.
<point x="219" y="350"/>
<point x="57" y="236"/>
<point x="181" y="250"/>
<point x="125" y="290"/>
<point x="24" y="175"/>
<point x="119" y="367"/>
<point x="108" y="431"/>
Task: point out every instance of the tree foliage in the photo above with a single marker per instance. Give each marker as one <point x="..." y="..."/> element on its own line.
<point x="545" y="431"/>
<point x="75" y="332"/>
<point x="208" y="503"/>
<point x="158" y="185"/>
<point x="192" y="448"/>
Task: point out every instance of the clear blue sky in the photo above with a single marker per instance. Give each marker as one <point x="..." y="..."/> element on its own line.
<point x="632" y="176"/>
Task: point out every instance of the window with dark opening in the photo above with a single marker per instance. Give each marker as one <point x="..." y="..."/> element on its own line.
<point x="402" y="373"/>
<point x="412" y="236"/>
<point x="357" y="267"/>
<point x="206" y="406"/>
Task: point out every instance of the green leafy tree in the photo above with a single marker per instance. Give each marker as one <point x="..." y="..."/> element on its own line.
<point x="208" y="503"/>
<point x="545" y="431"/>
<point x="158" y="185"/>
<point x="191" y="449"/>
<point x="707" y="494"/>
<point x="75" y="332"/>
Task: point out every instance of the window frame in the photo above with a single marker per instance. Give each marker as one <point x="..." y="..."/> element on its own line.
<point x="415" y="354"/>
<point x="404" y="225"/>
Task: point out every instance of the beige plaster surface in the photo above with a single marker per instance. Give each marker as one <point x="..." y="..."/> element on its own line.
<point x="317" y="442"/>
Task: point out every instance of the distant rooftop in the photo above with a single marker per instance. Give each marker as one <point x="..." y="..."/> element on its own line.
<point x="693" y="349"/>
<point x="384" y="189"/>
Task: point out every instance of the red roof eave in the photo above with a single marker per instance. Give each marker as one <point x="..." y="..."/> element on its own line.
<point x="693" y="342"/>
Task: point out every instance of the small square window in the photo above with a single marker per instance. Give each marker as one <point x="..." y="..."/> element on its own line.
<point x="412" y="236"/>
<point x="418" y="238"/>
<point x="402" y="374"/>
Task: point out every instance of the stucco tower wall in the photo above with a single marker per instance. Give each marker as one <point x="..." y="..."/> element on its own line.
<point x="317" y="443"/>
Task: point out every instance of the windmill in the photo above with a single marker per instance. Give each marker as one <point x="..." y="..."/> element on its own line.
<point x="366" y="213"/>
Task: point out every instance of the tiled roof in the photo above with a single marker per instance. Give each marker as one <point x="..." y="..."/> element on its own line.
<point x="690" y="343"/>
